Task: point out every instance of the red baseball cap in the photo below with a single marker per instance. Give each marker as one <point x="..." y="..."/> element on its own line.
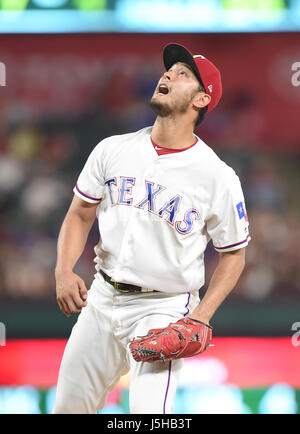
<point x="207" y="73"/>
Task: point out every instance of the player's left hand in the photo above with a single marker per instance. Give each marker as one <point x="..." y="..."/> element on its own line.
<point x="185" y="338"/>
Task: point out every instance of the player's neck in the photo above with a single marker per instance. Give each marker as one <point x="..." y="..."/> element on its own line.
<point x="168" y="133"/>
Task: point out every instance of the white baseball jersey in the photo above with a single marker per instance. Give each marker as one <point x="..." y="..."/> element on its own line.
<point x="157" y="213"/>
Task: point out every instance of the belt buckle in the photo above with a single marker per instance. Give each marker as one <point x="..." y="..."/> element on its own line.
<point x="116" y="285"/>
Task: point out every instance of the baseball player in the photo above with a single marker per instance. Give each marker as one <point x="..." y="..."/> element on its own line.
<point x="160" y="195"/>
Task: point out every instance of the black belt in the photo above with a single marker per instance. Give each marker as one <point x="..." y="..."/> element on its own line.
<point x="123" y="287"/>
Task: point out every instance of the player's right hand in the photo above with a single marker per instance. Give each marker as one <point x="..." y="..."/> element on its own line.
<point x="71" y="292"/>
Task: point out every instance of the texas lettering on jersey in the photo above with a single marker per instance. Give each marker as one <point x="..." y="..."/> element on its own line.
<point x="195" y="196"/>
<point x="168" y="211"/>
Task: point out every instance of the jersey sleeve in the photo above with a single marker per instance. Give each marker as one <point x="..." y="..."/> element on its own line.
<point x="90" y="184"/>
<point x="228" y="224"/>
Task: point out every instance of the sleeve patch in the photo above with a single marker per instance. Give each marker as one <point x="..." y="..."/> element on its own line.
<point x="241" y="211"/>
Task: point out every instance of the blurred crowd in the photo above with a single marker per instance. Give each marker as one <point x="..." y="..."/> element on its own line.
<point x="41" y="156"/>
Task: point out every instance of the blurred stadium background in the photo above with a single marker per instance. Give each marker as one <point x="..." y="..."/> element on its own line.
<point x="76" y="71"/>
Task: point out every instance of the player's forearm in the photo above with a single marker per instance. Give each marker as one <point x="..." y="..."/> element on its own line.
<point x="224" y="279"/>
<point x="71" y="241"/>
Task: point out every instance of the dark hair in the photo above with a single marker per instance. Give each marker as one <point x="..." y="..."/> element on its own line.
<point x="203" y="110"/>
<point x="201" y="116"/>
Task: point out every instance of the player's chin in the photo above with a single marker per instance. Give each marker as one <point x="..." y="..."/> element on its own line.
<point x="160" y="105"/>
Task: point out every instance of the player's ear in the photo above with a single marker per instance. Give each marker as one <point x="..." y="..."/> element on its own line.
<point x="201" y="100"/>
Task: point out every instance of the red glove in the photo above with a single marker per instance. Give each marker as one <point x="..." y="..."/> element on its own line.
<point x="185" y="338"/>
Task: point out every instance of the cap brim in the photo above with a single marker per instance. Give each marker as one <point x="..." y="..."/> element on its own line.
<point x="174" y="53"/>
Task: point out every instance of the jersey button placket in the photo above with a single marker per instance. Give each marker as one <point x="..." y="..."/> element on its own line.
<point x="125" y="252"/>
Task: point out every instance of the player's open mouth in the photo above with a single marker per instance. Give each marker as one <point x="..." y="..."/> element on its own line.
<point x="163" y="89"/>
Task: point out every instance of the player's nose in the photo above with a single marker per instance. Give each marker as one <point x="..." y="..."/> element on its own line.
<point x="168" y="75"/>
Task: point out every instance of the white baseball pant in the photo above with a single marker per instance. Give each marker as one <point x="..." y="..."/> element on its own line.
<point x="97" y="354"/>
